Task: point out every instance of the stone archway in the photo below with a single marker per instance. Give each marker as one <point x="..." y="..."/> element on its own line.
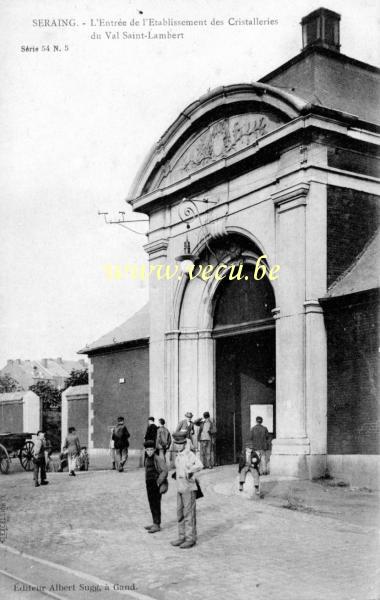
<point x="208" y="332"/>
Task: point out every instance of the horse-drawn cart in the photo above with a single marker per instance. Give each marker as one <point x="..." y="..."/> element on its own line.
<point x="16" y="445"/>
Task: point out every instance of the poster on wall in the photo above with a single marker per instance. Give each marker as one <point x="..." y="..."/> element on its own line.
<point x="189" y="223"/>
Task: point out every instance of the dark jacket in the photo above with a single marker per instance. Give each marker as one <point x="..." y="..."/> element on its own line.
<point x="185" y="426"/>
<point x="72" y="444"/>
<point x="162" y="473"/>
<point x="259" y="437"/>
<point x="121" y="436"/>
<point x="164" y="439"/>
<point x="151" y="433"/>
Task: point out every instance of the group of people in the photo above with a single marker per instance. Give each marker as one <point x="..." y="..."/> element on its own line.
<point x="183" y="443"/>
<point x="253" y="459"/>
<point x="71" y="453"/>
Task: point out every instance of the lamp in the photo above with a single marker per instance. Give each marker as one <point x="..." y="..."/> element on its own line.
<point x="188" y="210"/>
<point x="187" y="260"/>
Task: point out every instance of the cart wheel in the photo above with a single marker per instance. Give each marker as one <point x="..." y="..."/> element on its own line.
<point x="26" y="456"/>
<point x="4" y="460"/>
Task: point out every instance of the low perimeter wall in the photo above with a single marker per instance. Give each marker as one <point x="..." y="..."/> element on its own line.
<point x="358" y="470"/>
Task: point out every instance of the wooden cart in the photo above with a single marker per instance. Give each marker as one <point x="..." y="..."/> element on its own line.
<point x="16" y="445"/>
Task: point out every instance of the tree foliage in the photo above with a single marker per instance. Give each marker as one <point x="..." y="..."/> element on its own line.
<point x="77" y="377"/>
<point x="8" y="384"/>
<point x="49" y="394"/>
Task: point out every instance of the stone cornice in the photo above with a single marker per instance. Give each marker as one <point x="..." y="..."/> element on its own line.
<point x="291" y="197"/>
<point x="157" y="248"/>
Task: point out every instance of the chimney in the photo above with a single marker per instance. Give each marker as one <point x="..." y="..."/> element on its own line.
<point x="321" y="28"/>
<point x="10" y="361"/>
<point x="44" y="362"/>
<point x="59" y="360"/>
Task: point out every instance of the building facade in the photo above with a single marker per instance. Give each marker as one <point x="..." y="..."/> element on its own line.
<point x="286" y="169"/>
<point x="118" y="385"/>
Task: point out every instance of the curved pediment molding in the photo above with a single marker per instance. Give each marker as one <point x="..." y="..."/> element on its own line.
<point x="218" y="125"/>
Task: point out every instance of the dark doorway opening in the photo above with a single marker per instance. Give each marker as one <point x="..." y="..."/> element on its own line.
<point x="245" y="378"/>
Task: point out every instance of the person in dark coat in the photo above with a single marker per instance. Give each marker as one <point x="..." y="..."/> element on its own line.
<point x="39" y="459"/>
<point x="259" y="441"/>
<point x="121" y="437"/>
<point x="206" y="434"/>
<point x="156" y="474"/>
<point x="151" y="431"/>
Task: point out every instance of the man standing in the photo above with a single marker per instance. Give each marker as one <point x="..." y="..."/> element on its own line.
<point x="186" y="425"/>
<point x="186" y="464"/>
<point x="206" y="432"/>
<point x="156" y="473"/>
<point x="259" y="438"/>
<point x="121" y="438"/>
<point x="72" y="446"/>
<point x="39" y="450"/>
<point x="164" y="439"/>
<point x="151" y="431"/>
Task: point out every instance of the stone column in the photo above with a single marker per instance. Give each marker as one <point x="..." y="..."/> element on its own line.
<point x="188" y="373"/>
<point x="157" y="251"/>
<point x="315" y="338"/>
<point x="291" y="445"/>
<point x="206" y="372"/>
<point x="171" y="400"/>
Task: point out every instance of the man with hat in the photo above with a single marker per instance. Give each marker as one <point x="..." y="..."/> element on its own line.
<point x="259" y="441"/>
<point x="186" y="425"/>
<point x="207" y="431"/>
<point x="186" y="464"/>
<point x="156" y="474"/>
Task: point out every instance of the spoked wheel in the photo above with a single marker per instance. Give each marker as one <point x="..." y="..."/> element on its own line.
<point x="26" y="456"/>
<point x="4" y="460"/>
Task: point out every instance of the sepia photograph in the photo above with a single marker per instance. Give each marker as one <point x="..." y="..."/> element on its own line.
<point x="189" y="300"/>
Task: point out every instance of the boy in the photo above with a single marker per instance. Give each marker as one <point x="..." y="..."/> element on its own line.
<point x="164" y="439"/>
<point x="186" y="464"/>
<point x="156" y="474"/>
<point x="39" y="450"/>
<point x="249" y="461"/>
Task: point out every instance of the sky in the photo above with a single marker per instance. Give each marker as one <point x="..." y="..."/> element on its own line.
<point x="76" y="125"/>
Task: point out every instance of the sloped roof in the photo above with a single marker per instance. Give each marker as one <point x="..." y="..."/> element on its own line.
<point x="134" y="328"/>
<point x="362" y="275"/>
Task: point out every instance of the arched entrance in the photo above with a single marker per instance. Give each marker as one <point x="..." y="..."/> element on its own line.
<point x="244" y="333"/>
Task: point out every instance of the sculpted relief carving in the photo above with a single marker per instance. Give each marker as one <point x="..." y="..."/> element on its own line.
<point x="220" y="139"/>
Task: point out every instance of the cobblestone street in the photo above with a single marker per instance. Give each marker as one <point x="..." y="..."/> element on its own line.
<point x="299" y="541"/>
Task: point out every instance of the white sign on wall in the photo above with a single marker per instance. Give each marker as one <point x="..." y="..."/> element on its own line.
<point x="265" y="411"/>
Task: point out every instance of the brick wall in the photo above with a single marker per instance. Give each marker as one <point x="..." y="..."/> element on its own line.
<point x="353" y="414"/>
<point x="112" y="399"/>
<point x="352" y="218"/>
